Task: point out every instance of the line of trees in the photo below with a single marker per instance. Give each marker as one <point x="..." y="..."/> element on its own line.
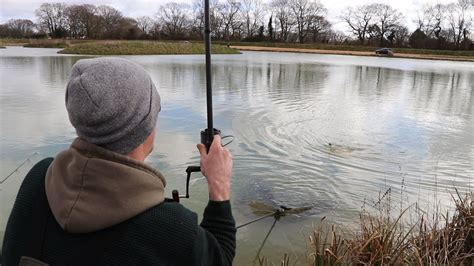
<point x="439" y="26"/>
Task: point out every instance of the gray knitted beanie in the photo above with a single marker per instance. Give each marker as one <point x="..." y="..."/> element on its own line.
<point x="112" y="103"/>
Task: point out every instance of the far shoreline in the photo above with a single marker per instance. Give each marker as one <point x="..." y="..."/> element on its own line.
<point x="152" y="47"/>
<point x="353" y="53"/>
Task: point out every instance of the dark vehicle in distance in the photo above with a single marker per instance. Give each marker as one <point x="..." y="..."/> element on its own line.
<point x="384" y="51"/>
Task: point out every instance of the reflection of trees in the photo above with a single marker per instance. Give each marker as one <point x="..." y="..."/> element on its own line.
<point x="376" y="81"/>
<point x="299" y="80"/>
<point x="449" y="93"/>
<point x="419" y="92"/>
<point x="244" y="80"/>
<point x="56" y="69"/>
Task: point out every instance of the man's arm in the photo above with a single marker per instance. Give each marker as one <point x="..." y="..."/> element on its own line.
<point x="215" y="241"/>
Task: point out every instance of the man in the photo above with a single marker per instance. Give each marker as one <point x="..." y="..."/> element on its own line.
<point x="99" y="203"/>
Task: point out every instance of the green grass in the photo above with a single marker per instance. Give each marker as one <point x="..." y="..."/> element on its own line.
<point x="142" y="48"/>
<point x="354" y="48"/>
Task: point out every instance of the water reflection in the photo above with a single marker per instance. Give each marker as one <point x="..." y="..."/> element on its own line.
<point x="325" y="131"/>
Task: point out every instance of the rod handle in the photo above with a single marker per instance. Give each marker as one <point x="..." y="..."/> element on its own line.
<point x="207" y="138"/>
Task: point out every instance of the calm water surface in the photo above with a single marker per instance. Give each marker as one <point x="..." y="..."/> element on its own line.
<point x="327" y="131"/>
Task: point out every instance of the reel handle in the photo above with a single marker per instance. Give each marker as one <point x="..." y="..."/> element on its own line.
<point x="206" y="139"/>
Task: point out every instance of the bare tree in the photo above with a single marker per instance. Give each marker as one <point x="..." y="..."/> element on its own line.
<point x="197" y="18"/>
<point x="74" y="23"/>
<point x="358" y="20"/>
<point x="145" y="24"/>
<point x="305" y="11"/>
<point x="318" y="26"/>
<point x="398" y="36"/>
<point x="174" y="19"/>
<point x="459" y="20"/>
<point x="197" y="27"/>
<point x="110" y="20"/>
<point x="336" y="37"/>
<point x="19" y="28"/>
<point x="285" y="21"/>
<point x="83" y="21"/>
<point x="128" y="29"/>
<point x="430" y="19"/>
<point x="253" y="13"/>
<point x="52" y="18"/>
<point x="230" y="19"/>
<point x="385" y="20"/>
<point x="217" y="20"/>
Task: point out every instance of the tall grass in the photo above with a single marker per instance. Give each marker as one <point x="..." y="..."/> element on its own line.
<point x="382" y="239"/>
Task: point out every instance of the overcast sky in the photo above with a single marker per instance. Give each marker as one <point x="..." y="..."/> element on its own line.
<point x="134" y="8"/>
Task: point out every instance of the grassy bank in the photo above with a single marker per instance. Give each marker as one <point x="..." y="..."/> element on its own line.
<point x="142" y="48"/>
<point x="13" y="42"/>
<point x="49" y="44"/>
<point x="382" y="239"/>
<point x="116" y="47"/>
<point x="352" y="48"/>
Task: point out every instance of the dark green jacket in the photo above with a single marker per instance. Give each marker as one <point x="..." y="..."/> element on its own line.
<point x="167" y="234"/>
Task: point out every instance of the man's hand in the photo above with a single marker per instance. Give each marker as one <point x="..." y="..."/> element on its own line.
<point x="216" y="166"/>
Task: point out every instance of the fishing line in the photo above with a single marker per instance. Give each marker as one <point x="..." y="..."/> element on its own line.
<point x="256" y="220"/>
<point x="266" y="237"/>
<point x="19" y="166"/>
<point x="230" y="141"/>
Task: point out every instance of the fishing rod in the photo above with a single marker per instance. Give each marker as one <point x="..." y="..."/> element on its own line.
<point x="18" y="167"/>
<point x="207" y="135"/>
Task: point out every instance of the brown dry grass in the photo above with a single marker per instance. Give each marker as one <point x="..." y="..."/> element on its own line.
<point x="433" y="239"/>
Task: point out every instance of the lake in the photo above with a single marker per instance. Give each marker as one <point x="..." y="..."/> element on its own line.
<point x="327" y="131"/>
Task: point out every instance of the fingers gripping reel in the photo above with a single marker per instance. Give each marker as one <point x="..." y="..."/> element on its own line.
<point x="207" y="141"/>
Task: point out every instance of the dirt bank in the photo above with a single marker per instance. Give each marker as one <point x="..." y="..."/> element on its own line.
<point x="357" y="53"/>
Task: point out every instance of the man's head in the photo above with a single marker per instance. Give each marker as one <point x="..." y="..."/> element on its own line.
<point x="113" y="103"/>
